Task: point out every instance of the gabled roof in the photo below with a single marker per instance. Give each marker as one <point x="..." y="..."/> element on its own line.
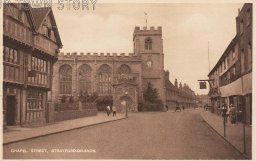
<point x="169" y="85"/>
<point x="27" y="9"/>
<point x="40" y="14"/>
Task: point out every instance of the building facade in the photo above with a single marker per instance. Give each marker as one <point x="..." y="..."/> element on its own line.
<point x="178" y="94"/>
<point x="30" y="45"/>
<point x="122" y="76"/>
<point x="232" y="75"/>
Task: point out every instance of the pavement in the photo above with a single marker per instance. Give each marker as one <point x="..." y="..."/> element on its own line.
<point x="16" y="134"/>
<point x="234" y="132"/>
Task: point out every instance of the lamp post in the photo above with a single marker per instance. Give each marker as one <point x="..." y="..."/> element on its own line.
<point x="244" y="122"/>
<point x="224" y="114"/>
<point x="126" y="112"/>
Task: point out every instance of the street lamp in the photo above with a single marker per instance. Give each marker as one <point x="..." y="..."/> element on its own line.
<point x="126" y="112"/>
<point x="224" y="114"/>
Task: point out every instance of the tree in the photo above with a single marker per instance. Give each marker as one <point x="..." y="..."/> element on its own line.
<point x="151" y="94"/>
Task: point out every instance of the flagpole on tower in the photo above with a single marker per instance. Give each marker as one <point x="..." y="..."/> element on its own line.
<point x="146" y="17"/>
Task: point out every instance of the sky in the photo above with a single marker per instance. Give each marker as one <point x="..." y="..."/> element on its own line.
<point x="186" y="28"/>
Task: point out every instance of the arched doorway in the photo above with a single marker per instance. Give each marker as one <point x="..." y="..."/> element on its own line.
<point x="127" y="102"/>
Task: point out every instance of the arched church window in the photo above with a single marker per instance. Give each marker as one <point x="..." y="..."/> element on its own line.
<point x="84" y="75"/>
<point x="148" y="44"/>
<point x="124" y="69"/>
<point x="104" y="79"/>
<point x="65" y="79"/>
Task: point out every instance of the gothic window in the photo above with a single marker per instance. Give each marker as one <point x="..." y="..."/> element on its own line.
<point x="124" y="69"/>
<point x="104" y="79"/>
<point x="148" y="44"/>
<point x="85" y="79"/>
<point x="65" y="79"/>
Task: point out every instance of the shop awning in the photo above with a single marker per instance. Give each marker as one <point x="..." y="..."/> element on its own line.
<point x="234" y="88"/>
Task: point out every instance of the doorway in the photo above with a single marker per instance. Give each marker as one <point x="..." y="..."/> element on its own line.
<point x="10" y="113"/>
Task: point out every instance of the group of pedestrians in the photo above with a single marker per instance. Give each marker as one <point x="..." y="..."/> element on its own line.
<point x="230" y="112"/>
<point x="109" y="110"/>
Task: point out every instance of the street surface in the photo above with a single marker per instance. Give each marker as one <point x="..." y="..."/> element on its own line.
<point x="149" y="135"/>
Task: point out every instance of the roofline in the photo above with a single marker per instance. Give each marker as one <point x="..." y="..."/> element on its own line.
<point x="60" y="43"/>
<point x="48" y="13"/>
<point x="231" y="44"/>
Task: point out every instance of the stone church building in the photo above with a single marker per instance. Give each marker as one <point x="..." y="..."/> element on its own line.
<point x="123" y="76"/>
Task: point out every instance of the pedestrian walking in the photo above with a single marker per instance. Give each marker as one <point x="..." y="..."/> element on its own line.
<point x="108" y="110"/>
<point x="114" y="110"/>
<point x="183" y="107"/>
<point x="166" y="108"/>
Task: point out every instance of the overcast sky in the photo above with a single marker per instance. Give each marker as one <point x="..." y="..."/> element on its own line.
<point x="187" y="28"/>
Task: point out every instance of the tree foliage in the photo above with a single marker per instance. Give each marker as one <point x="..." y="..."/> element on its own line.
<point x="85" y="97"/>
<point x="151" y="94"/>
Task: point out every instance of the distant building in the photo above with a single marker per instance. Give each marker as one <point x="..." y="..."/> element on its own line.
<point x="203" y="100"/>
<point x="183" y="94"/>
<point x="31" y="42"/>
<point x="232" y="75"/>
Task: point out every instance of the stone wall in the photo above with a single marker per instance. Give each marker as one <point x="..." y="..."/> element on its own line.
<point x="78" y="111"/>
<point x="74" y="114"/>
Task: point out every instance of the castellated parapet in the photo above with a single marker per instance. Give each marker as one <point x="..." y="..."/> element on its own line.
<point x="98" y="56"/>
<point x="148" y="31"/>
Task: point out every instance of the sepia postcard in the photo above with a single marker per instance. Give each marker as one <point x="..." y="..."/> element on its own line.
<point x="99" y="79"/>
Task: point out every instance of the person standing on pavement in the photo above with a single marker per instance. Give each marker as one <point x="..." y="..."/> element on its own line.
<point x="232" y="113"/>
<point x="114" y="110"/>
<point x="108" y="110"/>
<point x="166" y="108"/>
<point x="224" y="109"/>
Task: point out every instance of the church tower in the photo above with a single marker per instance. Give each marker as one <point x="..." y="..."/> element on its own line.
<point x="148" y="45"/>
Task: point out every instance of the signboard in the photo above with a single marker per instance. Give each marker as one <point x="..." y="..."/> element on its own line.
<point x="202" y="85"/>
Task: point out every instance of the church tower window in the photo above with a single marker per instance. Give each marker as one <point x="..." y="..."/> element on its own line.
<point x="148" y="44"/>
